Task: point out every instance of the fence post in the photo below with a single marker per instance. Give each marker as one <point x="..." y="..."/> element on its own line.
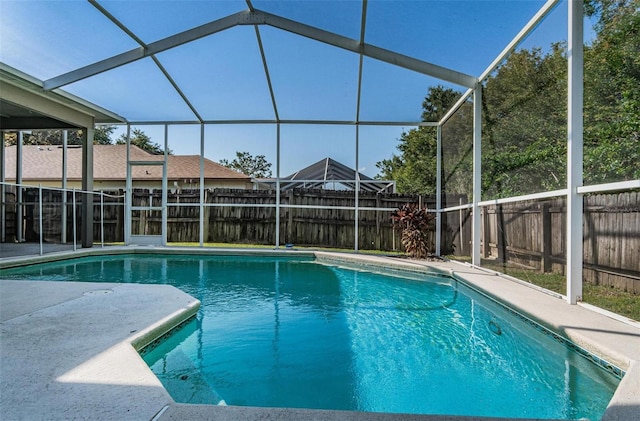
<point x="545" y="264"/>
<point x="485" y="232"/>
<point x="142" y="221"/>
<point x="289" y="238"/>
<point x="207" y="216"/>
<point x="501" y="236"/>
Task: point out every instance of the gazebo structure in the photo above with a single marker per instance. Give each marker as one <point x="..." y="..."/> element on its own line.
<point x="28" y="103"/>
<point x="329" y="173"/>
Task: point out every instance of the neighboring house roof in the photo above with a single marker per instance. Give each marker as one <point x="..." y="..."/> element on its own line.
<point x="328" y="170"/>
<point x="109" y="163"/>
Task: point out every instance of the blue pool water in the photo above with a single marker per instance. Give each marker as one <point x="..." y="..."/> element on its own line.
<point x="292" y="332"/>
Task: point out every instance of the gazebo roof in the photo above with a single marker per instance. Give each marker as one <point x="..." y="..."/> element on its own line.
<point x="326" y="172"/>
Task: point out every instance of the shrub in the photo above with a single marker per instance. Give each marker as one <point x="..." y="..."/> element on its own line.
<point x="416" y="223"/>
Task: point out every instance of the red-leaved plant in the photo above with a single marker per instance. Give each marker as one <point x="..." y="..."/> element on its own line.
<point x="416" y="223"/>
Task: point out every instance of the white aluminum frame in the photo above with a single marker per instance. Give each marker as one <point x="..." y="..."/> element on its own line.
<point x="143" y="239"/>
<point x="575" y="153"/>
<point x="574" y="149"/>
<point x="64" y="191"/>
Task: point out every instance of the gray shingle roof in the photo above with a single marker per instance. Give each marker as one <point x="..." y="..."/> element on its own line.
<point x="319" y="174"/>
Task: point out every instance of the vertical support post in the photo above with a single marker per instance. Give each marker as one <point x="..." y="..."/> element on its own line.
<point x="40" y="218"/>
<point x="19" y="206"/>
<point x="477" y="174"/>
<point x="201" y="185"/>
<point x="545" y="216"/>
<point x="165" y="186"/>
<point x="438" y="189"/>
<point x="65" y="163"/>
<point x="101" y="218"/>
<point x="75" y="224"/>
<point x="128" y="192"/>
<point x="461" y="230"/>
<point x="278" y="186"/>
<point x="356" y="237"/>
<point x="87" y="187"/>
<point x="575" y="55"/>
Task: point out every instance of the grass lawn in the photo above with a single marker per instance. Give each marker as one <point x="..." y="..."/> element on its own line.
<point x="608" y="298"/>
<point x="613" y="299"/>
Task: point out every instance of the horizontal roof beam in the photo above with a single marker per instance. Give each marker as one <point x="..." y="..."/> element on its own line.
<point x="410" y="63"/>
<point x="308" y="122"/>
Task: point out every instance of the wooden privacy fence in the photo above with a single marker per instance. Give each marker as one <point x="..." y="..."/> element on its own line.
<point x="251" y="218"/>
<point x="533" y="234"/>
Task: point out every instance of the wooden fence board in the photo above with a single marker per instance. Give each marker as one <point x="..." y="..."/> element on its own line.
<point x="532" y="234"/>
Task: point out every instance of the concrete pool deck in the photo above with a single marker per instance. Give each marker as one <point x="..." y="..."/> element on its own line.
<point x="68" y="349"/>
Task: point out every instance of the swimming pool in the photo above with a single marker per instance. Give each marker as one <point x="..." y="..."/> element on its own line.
<point x="295" y="333"/>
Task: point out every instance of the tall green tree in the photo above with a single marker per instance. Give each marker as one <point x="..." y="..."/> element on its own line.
<point x="253" y="166"/>
<point x="140" y="139"/>
<point x="101" y="136"/>
<point x="524" y="114"/>
<point x="414" y="168"/>
<point x="612" y="92"/>
<point x="525" y="118"/>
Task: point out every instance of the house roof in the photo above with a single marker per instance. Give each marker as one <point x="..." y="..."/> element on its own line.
<point x="109" y="163"/>
<point x="25" y="105"/>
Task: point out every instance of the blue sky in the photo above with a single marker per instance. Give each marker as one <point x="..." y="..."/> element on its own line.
<point x="223" y="75"/>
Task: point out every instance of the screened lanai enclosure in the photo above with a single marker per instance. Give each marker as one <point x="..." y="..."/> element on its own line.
<point x="486" y="112"/>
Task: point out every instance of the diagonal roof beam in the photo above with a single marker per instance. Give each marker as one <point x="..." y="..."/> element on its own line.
<point x="363" y="22"/>
<point x="368" y="50"/>
<point x="142" y="52"/>
<point x="264" y="64"/>
<point x="155" y="59"/>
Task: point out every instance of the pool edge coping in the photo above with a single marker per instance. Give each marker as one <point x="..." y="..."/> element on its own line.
<point x="107" y="353"/>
